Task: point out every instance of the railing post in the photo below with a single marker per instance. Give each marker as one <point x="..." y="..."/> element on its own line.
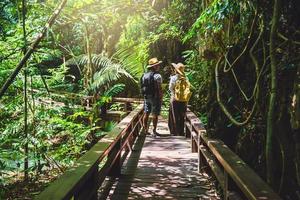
<point x="186" y="129"/>
<point x="194" y="144"/>
<point x="137" y="128"/>
<point x="95" y="187"/>
<point x="133" y="135"/>
<point x="128" y="107"/>
<point x="199" y="153"/>
<point x="138" y="124"/>
<point x="194" y="140"/>
<point x="201" y="158"/>
<point x="116" y="167"/>
<point x="141" y="123"/>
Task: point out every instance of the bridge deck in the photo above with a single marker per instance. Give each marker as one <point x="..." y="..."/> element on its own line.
<point x="161" y="168"/>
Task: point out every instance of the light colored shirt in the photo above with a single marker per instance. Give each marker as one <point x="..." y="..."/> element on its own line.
<point x="157" y="77"/>
<point x="172" y="82"/>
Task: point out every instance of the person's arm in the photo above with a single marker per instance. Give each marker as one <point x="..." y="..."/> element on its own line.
<point x="172" y="87"/>
<point x="160" y="92"/>
<point x="158" y="86"/>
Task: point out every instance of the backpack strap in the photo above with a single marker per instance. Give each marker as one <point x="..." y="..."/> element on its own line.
<point x="149" y="83"/>
<point x="153" y="81"/>
<point x="142" y="82"/>
<point x="142" y="79"/>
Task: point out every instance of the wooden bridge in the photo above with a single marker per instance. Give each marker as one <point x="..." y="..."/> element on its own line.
<point x="127" y="164"/>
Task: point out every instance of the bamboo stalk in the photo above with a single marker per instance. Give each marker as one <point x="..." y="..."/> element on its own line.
<point x="26" y="165"/>
<point x="273" y="93"/>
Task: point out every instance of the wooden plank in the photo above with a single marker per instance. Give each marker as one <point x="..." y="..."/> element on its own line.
<point x="194" y="141"/>
<point x="79" y="97"/>
<point x="247" y="180"/>
<point x="127" y="100"/>
<point x="115" y="154"/>
<point x="195" y="137"/>
<point x="195" y="121"/>
<point x="188" y="129"/>
<point x="210" y="159"/>
<point x="89" y="190"/>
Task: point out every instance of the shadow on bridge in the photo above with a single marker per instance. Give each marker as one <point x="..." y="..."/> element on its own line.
<point x="160" y="168"/>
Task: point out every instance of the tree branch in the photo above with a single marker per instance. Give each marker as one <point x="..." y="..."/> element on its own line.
<point x="31" y="49"/>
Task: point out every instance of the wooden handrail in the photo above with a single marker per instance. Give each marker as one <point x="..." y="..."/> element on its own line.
<point x="225" y="164"/>
<point x="127" y="100"/>
<point x="83" y="179"/>
<point x="79" y="97"/>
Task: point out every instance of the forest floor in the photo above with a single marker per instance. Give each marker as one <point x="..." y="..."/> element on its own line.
<point x="22" y="190"/>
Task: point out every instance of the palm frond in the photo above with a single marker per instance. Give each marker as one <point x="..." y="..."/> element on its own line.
<point x="98" y="61"/>
<point x="114" y="90"/>
<point x="109" y="74"/>
<point x="107" y="71"/>
<point x="128" y="57"/>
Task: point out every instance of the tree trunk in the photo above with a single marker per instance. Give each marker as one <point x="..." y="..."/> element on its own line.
<point x="25" y="94"/>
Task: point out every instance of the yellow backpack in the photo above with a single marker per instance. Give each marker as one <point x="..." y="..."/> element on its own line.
<point x="182" y="89"/>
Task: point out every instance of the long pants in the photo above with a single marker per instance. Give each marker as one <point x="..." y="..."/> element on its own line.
<point x="177" y="111"/>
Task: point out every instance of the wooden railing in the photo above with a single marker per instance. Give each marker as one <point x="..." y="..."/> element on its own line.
<point x="83" y="99"/>
<point x="104" y="159"/>
<point x="226" y="165"/>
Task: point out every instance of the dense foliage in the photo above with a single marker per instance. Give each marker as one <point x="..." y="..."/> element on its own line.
<point x="242" y="59"/>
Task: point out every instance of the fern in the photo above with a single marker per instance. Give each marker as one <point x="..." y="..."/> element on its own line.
<point x="106" y="70"/>
<point x="116" y="89"/>
<point x="98" y="61"/>
<point x="108" y="75"/>
<point x="129" y="58"/>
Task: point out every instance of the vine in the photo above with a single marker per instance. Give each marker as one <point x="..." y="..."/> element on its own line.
<point x="223" y="107"/>
<point x="255" y="91"/>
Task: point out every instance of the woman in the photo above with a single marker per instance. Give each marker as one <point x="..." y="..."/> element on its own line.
<point x="177" y="109"/>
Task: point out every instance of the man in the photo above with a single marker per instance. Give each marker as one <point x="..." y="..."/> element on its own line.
<point x="152" y="91"/>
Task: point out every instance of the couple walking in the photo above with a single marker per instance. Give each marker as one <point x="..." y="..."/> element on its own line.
<point x="151" y="82"/>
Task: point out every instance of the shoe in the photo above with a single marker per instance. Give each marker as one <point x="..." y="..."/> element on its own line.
<point x="153" y="135"/>
<point x="156" y="133"/>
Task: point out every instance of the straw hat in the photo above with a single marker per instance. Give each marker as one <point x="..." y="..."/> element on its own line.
<point x="153" y="62"/>
<point x="179" y="68"/>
